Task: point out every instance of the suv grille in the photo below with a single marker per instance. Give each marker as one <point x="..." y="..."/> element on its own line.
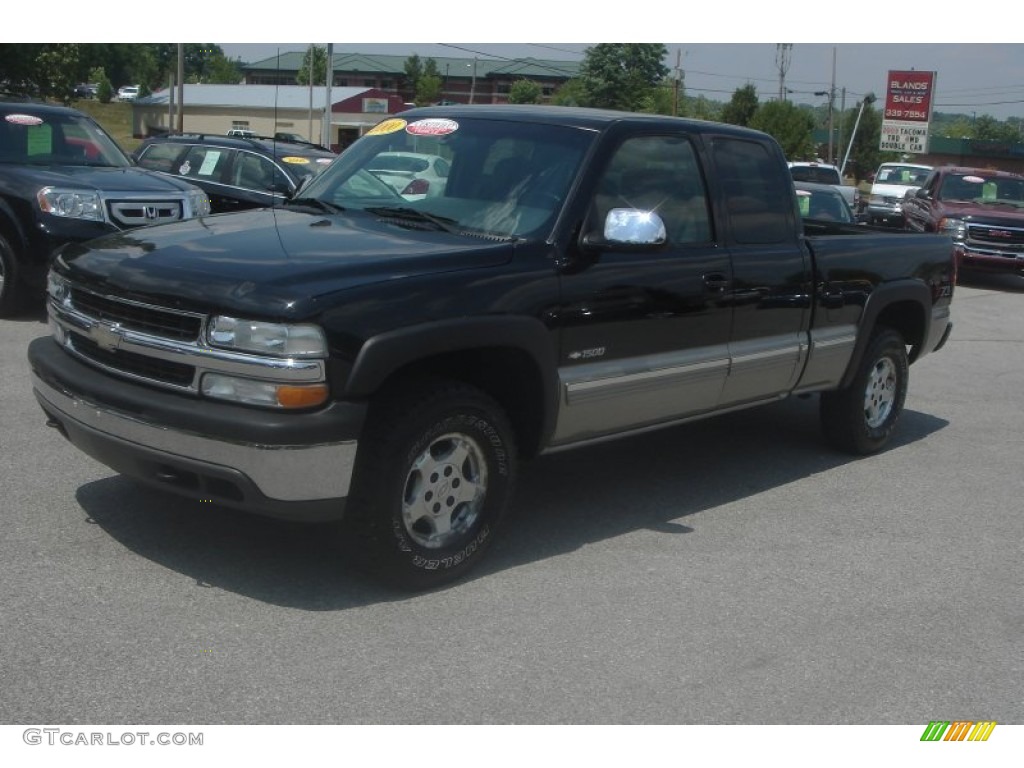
<point x="137" y="317"/>
<point x="136" y="213"/>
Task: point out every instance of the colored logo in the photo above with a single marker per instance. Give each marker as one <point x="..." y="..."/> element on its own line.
<point x="388" y="126"/>
<point x="958" y="730"/>
<point x="432" y="127"/>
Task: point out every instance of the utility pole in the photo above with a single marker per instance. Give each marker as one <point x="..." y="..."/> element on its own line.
<point x="181" y="87"/>
<point x="677" y="76"/>
<point x="783" y="55"/>
<point x="325" y="132"/>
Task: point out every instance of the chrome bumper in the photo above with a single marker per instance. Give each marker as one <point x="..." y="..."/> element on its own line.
<point x="297" y="482"/>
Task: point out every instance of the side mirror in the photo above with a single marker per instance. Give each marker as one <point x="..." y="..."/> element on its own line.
<point x="920" y="194"/>
<point x="630" y="228"/>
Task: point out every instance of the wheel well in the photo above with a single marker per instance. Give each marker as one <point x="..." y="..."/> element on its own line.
<point x="907" y="317"/>
<point x="507" y="374"/>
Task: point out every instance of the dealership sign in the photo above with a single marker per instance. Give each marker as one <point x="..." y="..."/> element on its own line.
<point x="908" y="110"/>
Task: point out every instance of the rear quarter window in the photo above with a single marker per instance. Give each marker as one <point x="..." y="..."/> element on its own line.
<point x="160" y="157"/>
<point x="758" y="199"/>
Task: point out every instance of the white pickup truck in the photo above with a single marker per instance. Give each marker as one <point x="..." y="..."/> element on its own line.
<point x="823" y="173"/>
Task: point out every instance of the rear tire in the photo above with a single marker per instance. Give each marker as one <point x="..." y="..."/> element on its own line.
<point x="861" y="418"/>
<point x="433" y="480"/>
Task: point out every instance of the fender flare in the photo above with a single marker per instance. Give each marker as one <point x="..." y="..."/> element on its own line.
<point x="882" y="297"/>
<point x="382" y="355"/>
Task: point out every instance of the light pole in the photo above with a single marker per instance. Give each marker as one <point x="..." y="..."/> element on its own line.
<point x="831" y="93"/>
<point x="869" y="98"/>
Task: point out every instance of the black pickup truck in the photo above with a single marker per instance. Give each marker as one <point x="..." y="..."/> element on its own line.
<point x="388" y="360"/>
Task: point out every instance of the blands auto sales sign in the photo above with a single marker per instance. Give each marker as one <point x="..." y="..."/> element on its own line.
<point x="908" y="110"/>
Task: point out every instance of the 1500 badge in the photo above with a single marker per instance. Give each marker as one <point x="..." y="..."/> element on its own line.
<point x="587" y="354"/>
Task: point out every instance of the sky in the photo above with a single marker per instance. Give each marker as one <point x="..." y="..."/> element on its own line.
<point x="980" y="62"/>
<point x="972" y="78"/>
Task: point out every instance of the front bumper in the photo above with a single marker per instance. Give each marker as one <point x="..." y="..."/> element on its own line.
<point x="988" y="261"/>
<point x="294" y="466"/>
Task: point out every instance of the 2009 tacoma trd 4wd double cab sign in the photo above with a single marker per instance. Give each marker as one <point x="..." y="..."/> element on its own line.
<point x="582" y="275"/>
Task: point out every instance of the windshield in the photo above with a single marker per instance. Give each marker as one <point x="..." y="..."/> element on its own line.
<point x="57" y="139"/>
<point x="477" y="176"/>
<point x="904" y="175"/>
<point x="816" y="174"/>
<point x="982" y="188"/>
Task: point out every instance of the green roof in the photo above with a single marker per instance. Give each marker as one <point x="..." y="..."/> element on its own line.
<point x="446" y="65"/>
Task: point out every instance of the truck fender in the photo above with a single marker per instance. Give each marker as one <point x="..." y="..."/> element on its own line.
<point x="882" y="298"/>
<point x="383" y="355"/>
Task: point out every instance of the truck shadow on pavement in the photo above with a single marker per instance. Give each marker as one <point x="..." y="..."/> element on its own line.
<point x="563" y="502"/>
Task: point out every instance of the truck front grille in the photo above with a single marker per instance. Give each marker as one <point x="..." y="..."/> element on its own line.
<point x="151" y="368"/>
<point x="996" y="237"/>
<point x="137" y="317"/>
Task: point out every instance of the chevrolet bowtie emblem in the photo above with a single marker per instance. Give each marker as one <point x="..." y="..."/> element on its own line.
<point x="106" y="335"/>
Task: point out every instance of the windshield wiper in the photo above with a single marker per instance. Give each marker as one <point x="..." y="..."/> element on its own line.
<point x="411" y="214"/>
<point x="315" y="202"/>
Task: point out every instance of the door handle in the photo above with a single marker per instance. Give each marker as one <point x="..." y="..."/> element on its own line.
<point x="716" y="282"/>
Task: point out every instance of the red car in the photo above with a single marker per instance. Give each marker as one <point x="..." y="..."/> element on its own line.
<point x="981" y="209"/>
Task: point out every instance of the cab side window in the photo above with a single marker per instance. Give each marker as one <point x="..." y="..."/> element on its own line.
<point x="759" y="199"/>
<point x="659" y="174"/>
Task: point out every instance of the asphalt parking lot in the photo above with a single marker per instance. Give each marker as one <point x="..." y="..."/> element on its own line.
<point x="729" y="571"/>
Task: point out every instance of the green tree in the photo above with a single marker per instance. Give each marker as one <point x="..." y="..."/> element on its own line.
<point x="622" y="75"/>
<point x="864" y="153"/>
<point x="525" y="92"/>
<point x="569" y="94"/>
<point x="428" y="89"/>
<point x="318" y="55"/>
<point x="742" y="107"/>
<point x="792" y="127"/>
<point x="56" y="69"/>
<point x="223" y="70"/>
<point x="987" y="128"/>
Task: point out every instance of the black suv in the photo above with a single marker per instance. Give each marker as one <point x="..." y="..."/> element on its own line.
<point x="64" y="179"/>
<point x="236" y="173"/>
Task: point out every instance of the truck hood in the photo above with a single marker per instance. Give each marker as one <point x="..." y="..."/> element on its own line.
<point x="1004" y="214"/>
<point x="270" y="262"/>
<point x="110" y="181"/>
<point x="893" y="190"/>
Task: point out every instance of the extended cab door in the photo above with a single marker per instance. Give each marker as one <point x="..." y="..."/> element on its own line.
<point x="644" y="334"/>
<point x="772" y="279"/>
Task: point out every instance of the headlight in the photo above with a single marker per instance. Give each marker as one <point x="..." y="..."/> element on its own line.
<point x="954" y="227"/>
<point x="199" y="203"/>
<point x="70" y="203"/>
<point x="263" y="393"/>
<point x="57" y="287"/>
<point x="276" y="339"/>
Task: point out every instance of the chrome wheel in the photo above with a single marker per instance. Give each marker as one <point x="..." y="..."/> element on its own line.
<point x="444" y="491"/>
<point x="880" y="394"/>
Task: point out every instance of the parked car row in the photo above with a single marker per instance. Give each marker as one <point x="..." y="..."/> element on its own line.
<point x="823" y="173"/>
<point x="235" y="172"/>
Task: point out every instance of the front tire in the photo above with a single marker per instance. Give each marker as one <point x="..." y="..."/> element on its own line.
<point x="433" y="481"/>
<point x="861" y="418"/>
<point x="12" y="299"/>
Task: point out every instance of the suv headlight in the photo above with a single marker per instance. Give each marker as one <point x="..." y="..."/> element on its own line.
<point x="70" y="203"/>
<point x="275" y="339"/>
<point x="954" y="227"/>
<point x="199" y="203"/>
